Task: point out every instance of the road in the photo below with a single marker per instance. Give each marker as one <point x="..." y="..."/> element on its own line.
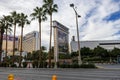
<point x="62" y="74"/>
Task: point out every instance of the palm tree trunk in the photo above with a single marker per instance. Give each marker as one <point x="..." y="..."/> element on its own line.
<point x="6" y="44"/>
<point x="21" y="46"/>
<point x="18" y="44"/>
<point x="40" y="53"/>
<point x="14" y="40"/>
<point x="50" y="41"/>
<point x="1" y="41"/>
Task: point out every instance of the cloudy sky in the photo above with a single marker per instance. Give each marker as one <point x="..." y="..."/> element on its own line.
<point x="100" y="18"/>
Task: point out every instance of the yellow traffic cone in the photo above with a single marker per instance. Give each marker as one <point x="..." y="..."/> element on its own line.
<point x="54" y="77"/>
<point x="10" y="77"/>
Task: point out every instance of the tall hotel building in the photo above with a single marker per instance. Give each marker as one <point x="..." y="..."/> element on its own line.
<point x="30" y="42"/>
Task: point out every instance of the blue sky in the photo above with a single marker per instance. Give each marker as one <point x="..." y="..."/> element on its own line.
<point x="100" y="18"/>
<point x="113" y="17"/>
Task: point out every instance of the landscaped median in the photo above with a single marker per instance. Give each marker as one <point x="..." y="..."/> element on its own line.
<point x="75" y="65"/>
<point x="100" y="67"/>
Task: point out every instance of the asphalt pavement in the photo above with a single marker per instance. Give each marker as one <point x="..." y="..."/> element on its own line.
<point x="62" y="74"/>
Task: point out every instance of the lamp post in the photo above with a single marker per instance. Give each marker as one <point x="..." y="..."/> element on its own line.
<point x="77" y="16"/>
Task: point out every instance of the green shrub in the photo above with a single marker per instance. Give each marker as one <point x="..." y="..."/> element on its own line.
<point x="4" y="64"/>
<point x="13" y="65"/>
<point x="40" y="65"/>
<point x="75" y="65"/>
<point x="24" y="64"/>
<point x="45" y="65"/>
<point x="65" y="66"/>
<point x="35" y="64"/>
<point x="89" y="65"/>
<point x="92" y="59"/>
<point x="58" y="64"/>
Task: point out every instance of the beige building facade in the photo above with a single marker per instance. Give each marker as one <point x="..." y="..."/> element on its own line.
<point x="10" y="39"/>
<point x="31" y="42"/>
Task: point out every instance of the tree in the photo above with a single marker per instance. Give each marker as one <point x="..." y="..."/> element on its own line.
<point x="22" y="21"/>
<point x="44" y="57"/>
<point x="64" y="56"/>
<point x="3" y="27"/>
<point x="15" y="19"/>
<point x="43" y="48"/>
<point x="101" y="53"/>
<point x="74" y="54"/>
<point x="2" y="30"/>
<point x="41" y="16"/>
<point x="52" y="53"/>
<point x="86" y="52"/>
<point x="28" y="57"/>
<point x="35" y="57"/>
<point x="115" y="52"/>
<point x="7" y="23"/>
<point x="50" y="7"/>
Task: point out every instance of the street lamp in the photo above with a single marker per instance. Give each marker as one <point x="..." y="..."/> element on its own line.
<point x="77" y="16"/>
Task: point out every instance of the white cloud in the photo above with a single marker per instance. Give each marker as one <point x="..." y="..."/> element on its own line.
<point x="95" y="28"/>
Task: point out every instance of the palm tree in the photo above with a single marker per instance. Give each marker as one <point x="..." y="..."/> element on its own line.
<point x="41" y="16"/>
<point x="3" y="26"/>
<point x="2" y="30"/>
<point x="15" y="19"/>
<point x="7" y="22"/>
<point x="50" y="7"/>
<point x="22" y="21"/>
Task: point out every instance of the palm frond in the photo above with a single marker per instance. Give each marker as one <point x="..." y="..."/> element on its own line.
<point x="14" y="17"/>
<point x="5" y="23"/>
<point x="23" y="20"/>
<point x="55" y="6"/>
<point x="33" y="18"/>
<point x="50" y="7"/>
<point x="38" y="13"/>
<point x="9" y="30"/>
